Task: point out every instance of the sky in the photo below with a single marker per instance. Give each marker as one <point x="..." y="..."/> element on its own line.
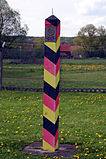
<point x="73" y="14"/>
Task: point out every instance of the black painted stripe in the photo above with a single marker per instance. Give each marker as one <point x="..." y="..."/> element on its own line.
<point x="53" y="20"/>
<point x="50" y="91"/>
<point x="51" y="55"/>
<point x="49" y="126"/>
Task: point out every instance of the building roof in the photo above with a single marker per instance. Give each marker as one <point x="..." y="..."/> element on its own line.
<point x="65" y="47"/>
<point x="68" y="47"/>
<point x="75" y="47"/>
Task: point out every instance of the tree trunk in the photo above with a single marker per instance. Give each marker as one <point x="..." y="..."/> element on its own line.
<point x="0" y="68"/>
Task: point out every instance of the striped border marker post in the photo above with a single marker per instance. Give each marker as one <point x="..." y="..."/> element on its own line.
<point x="51" y="84"/>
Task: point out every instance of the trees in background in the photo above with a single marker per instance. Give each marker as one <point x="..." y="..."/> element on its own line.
<point x="92" y="40"/>
<point x="10" y="22"/>
<point x="39" y="47"/>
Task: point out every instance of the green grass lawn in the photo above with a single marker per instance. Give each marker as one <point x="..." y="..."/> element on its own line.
<point x="94" y="79"/>
<point x="87" y="73"/>
<point x="84" y="61"/>
<point x="82" y="122"/>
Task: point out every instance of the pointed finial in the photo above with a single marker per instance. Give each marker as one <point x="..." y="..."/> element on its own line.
<point x="52" y="11"/>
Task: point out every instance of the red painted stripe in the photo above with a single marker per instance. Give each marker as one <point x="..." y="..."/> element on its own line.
<point x="58" y="31"/>
<point x="50" y="103"/>
<point x="51" y="67"/>
<point x="48" y="24"/>
<point x="49" y="138"/>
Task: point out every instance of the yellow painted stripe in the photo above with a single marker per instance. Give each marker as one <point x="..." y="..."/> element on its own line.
<point x="48" y="147"/>
<point x="51" y="79"/>
<point x="57" y="145"/>
<point x="58" y="77"/>
<point x="58" y="43"/>
<point x="50" y="115"/>
<point x="53" y="45"/>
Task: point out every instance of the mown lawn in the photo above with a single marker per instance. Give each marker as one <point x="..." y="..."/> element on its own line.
<point x="87" y="73"/>
<point x="82" y="122"/>
<point x="83" y="61"/>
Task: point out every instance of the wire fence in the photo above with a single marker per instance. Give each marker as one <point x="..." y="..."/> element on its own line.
<point x="75" y="74"/>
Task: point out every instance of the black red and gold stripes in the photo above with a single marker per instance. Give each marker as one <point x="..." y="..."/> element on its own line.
<point x="51" y="84"/>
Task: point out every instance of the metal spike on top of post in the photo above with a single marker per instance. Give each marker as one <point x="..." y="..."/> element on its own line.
<point x="51" y="84"/>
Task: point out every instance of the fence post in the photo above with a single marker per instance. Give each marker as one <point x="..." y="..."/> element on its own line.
<point x="51" y="84"/>
<point x="0" y="68"/>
